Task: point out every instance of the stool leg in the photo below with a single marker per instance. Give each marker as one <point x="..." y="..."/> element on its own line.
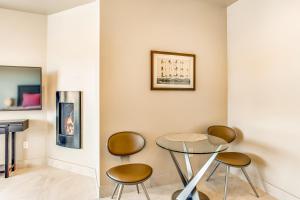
<point x="6" y="153"/>
<point x="249" y="181"/>
<point x="13" y="150"/>
<point x="145" y="190"/>
<point x="137" y="187"/>
<point x="120" y="192"/>
<point x="116" y="187"/>
<point x="213" y="171"/>
<point x="226" y="181"/>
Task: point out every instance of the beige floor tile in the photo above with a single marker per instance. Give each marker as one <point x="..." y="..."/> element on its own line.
<point x="54" y="184"/>
<point x="47" y="184"/>
<point x="238" y="190"/>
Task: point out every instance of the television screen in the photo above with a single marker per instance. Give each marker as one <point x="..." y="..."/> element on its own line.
<point x="20" y="88"/>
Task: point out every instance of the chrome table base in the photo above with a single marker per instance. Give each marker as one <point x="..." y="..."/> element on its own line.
<point x="193" y="194"/>
<point x="201" y="195"/>
<point x="190" y="191"/>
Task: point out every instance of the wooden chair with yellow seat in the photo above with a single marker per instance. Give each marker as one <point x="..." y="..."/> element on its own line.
<point x="229" y="159"/>
<point x="125" y="144"/>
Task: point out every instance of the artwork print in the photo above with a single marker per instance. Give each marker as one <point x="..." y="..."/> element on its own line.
<point x="172" y="71"/>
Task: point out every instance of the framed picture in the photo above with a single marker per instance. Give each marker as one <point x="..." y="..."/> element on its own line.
<point x="172" y="71"/>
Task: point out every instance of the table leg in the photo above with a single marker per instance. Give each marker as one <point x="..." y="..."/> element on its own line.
<point x="191" y="186"/>
<point x="194" y="194"/>
<point x="13" y="150"/>
<point x="182" y="177"/>
<point x="6" y="167"/>
<point x="188" y="165"/>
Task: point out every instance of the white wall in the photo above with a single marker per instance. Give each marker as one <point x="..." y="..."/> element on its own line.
<point x="70" y="40"/>
<point x="129" y="30"/>
<point x="264" y="95"/>
<point x="23" y="42"/>
<point x="73" y="65"/>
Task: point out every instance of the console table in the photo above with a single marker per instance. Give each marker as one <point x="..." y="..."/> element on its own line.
<point x="8" y="127"/>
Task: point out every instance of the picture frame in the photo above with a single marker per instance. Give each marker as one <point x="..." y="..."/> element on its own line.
<point x="173" y="71"/>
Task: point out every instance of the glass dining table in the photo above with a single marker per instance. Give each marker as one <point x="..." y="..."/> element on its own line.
<point x="187" y="144"/>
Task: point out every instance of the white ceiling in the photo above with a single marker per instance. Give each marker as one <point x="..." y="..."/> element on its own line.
<point x="41" y="6"/>
<point x="224" y="2"/>
<point x="53" y="6"/>
<point x="229" y="2"/>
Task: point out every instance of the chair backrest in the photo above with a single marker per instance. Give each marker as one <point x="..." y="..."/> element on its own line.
<point x="125" y="143"/>
<point x="224" y="132"/>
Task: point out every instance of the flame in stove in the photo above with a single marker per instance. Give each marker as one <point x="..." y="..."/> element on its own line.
<point x="69" y="125"/>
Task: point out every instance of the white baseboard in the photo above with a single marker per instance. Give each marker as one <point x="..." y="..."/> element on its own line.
<point x="34" y="162"/>
<point x="279" y="193"/>
<point x="75" y="168"/>
<point x="269" y="188"/>
<point x="72" y="167"/>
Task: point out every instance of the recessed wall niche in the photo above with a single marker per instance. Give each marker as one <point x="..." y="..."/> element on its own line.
<point x="68" y="119"/>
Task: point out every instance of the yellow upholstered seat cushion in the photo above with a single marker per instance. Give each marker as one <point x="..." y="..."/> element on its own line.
<point x="130" y="173"/>
<point x="234" y="159"/>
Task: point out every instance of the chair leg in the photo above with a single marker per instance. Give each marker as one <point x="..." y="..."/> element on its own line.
<point x="137" y="187"/>
<point x="120" y="192"/>
<point x="146" y="193"/>
<point x="249" y="181"/>
<point x="213" y="171"/>
<point x="116" y="187"/>
<point x="226" y="181"/>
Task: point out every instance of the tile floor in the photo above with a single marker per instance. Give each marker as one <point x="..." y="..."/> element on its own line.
<point x="54" y="184"/>
<point x="238" y="190"/>
<point x="47" y="184"/>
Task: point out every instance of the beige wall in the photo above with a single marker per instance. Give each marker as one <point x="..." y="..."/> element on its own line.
<point x="73" y="65"/>
<point x="264" y="95"/>
<point x="23" y="42"/>
<point x="129" y="30"/>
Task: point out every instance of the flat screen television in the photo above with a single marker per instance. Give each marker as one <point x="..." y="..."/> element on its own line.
<point x="20" y="88"/>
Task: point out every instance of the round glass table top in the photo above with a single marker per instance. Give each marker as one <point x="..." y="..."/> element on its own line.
<point x="192" y="143"/>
